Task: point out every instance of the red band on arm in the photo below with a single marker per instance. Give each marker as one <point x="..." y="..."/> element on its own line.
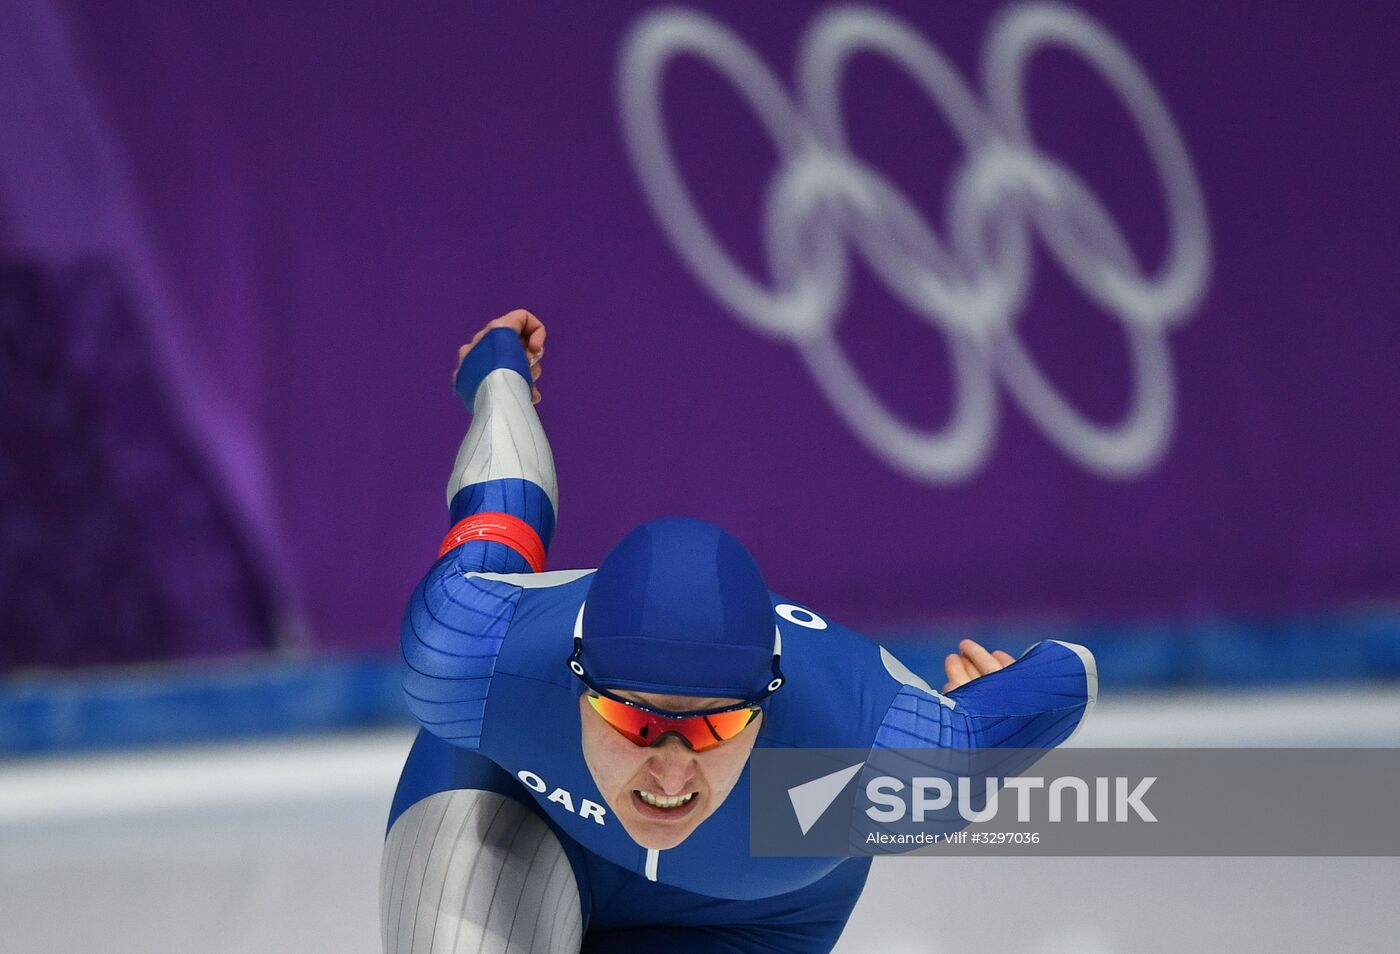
<point x="502" y="528"/>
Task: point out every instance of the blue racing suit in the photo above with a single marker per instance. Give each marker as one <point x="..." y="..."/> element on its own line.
<point x="485" y="642"/>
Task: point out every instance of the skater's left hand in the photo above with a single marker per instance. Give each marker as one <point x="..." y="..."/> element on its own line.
<point x="971" y="661"/>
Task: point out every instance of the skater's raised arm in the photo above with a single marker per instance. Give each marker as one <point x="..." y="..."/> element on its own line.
<point x="503" y="500"/>
<point x="502" y="494"/>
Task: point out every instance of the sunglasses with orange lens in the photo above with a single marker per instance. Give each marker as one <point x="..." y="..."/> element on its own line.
<point x="645" y="726"/>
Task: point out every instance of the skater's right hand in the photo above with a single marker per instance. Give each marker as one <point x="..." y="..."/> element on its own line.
<point x="531" y="331"/>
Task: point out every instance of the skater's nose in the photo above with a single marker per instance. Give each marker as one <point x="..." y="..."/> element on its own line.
<point x="672" y="766"/>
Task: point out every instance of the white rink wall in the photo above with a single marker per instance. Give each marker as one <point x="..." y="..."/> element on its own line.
<point x="261" y="849"/>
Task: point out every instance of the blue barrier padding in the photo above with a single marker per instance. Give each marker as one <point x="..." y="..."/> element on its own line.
<point x="1354" y="646"/>
<point x="165" y="705"/>
<point x="51" y="713"/>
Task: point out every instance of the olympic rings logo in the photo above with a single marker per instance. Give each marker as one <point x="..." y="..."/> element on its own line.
<point x="972" y="282"/>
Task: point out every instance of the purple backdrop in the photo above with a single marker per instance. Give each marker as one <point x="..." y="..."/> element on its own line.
<point x="333" y="198"/>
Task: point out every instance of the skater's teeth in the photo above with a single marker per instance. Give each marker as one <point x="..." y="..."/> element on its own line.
<point x="663" y="801"/>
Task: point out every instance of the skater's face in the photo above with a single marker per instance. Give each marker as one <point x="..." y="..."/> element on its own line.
<point x="688" y="785"/>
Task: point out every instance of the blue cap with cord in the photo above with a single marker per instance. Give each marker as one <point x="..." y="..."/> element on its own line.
<point x="679" y="607"/>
